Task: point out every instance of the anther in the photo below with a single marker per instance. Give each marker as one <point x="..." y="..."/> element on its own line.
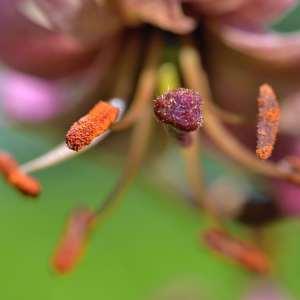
<point x="86" y="129"/>
<point x="7" y="163"/>
<point x="181" y="110"/>
<point x="74" y="240"/>
<point x="241" y="252"/>
<point x="268" y="121"/>
<point x="26" y="184"/>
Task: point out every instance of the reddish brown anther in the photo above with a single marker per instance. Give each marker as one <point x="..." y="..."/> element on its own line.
<point x="180" y="108"/>
<point x="268" y="121"/>
<point x="90" y="126"/>
<point x="26" y="184"/>
<point x="7" y="163"/>
<point x="242" y="252"/>
<point x="74" y="239"/>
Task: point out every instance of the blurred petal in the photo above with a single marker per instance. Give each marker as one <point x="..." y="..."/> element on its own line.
<point x="288" y="195"/>
<point x="268" y="46"/>
<point x="258" y="12"/>
<point x="290" y="111"/>
<point x="217" y="7"/>
<point x="88" y="20"/>
<point x="167" y="14"/>
<point x="265" y="290"/>
<point x="31" y="99"/>
<point x="28" y="98"/>
<point x="29" y="47"/>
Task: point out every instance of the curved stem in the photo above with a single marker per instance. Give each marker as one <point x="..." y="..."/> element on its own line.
<point x="146" y="84"/>
<point x="138" y="145"/>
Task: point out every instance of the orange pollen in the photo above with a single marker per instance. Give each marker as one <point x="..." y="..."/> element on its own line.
<point x="7" y="163"/>
<point x="27" y="185"/>
<point x="268" y="121"/>
<point x="244" y="253"/>
<point x="90" y="126"/>
<point x="24" y="183"/>
<point x="74" y="240"/>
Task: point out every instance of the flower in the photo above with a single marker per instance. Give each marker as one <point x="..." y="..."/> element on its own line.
<point x="74" y="45"/>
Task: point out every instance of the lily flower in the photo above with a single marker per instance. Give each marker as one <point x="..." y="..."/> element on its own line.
<point x="73" y="45"/>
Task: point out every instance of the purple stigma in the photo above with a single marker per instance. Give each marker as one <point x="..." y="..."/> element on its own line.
<point x="180" y="108"/>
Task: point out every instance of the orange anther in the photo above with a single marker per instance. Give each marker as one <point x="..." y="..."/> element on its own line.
<point x="268" y="121"/>
<point x="74" y="239"/>
<point x="90" y="126"/>
<point x="239" y="251"/>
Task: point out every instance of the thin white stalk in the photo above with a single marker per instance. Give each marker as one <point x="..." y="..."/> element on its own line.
<point x="61" y="152"/>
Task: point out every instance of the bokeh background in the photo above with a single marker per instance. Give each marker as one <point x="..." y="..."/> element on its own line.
<point x="150" y="248"/>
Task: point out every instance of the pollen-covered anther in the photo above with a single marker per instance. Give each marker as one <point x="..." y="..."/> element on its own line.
<point x="7" y="163"/>
<point x="90" y="126"/>
<point x="241" y="252"/>
<point x="74" y="240"/>
<point x="268" y="121"/>
<point x="180" y="108"/>
<point x="26" y="184"/>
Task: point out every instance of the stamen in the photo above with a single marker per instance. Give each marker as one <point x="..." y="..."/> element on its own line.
<point x="268" y="121"/>
<point x="180" y="108"/>
<point x="74" y="240"/>
<point x="90" y="126"/>
<point x="128" y="67"/>
<point x="138" y="145"/>
<point x="62" y="152"/>
<point x="242" y="252"/>
<point x="78" y="228"/>
<point x="7" y="164"/>
<point x="196" y="79"/>
<point x="228" y="116"/>
<point x="27" y="185"/>
<point x="145" y="86"/>
<point x="193" y="169"/>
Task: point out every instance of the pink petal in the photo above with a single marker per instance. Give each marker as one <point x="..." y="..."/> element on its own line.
<point x="213" y="7"/>
<point x="288" y="195"/>
<point x="271" y="47"/>
<point x="290" y="112"/>
<point x="258" y="12"/>
<point x="87" y="20"/>
<point x="28" y="98"/>
<point x="32" y="48"/>
<point x="167" y="14"/>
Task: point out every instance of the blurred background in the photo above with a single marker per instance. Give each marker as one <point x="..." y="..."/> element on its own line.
<point x="151" y="248"/>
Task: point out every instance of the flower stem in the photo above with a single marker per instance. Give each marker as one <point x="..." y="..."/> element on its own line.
<point x="146" y="84"/>
<point x="138" y="145"/>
